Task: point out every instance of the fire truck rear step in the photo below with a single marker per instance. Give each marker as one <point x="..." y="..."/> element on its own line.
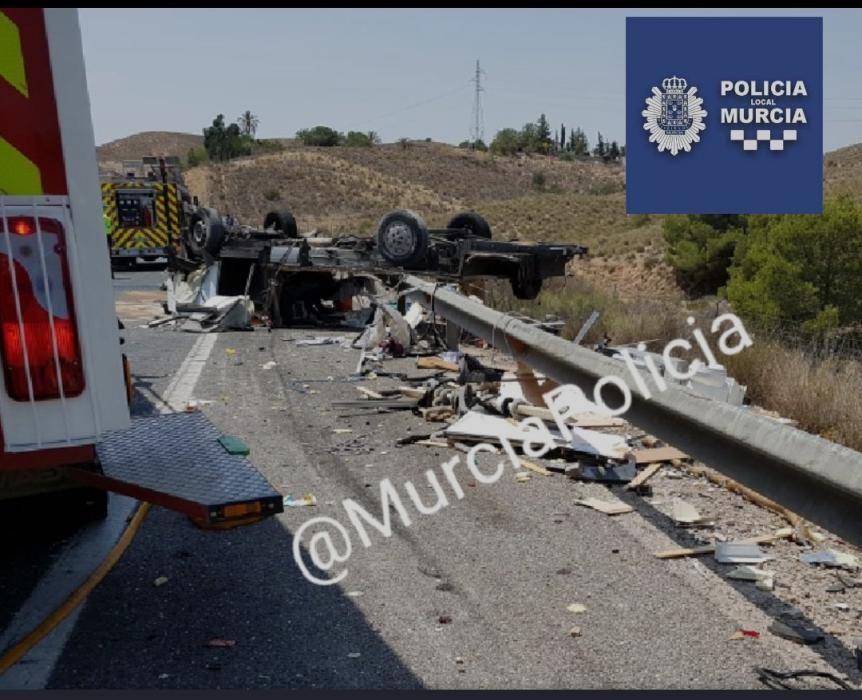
<point x="177" y="461"/>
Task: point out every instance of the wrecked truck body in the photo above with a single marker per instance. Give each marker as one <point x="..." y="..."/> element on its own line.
<point x="291" y="277"/>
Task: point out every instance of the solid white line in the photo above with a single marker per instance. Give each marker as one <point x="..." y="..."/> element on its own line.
<point x="84" y="553"/>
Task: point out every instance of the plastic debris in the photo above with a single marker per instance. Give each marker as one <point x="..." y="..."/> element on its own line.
<point x="160" y="581"/>
<point x="830" y="558"/>
<point x="739" y="553"/>
<point x="744" y="633"/>
<point x="577" y="608"/>
<point x="269" y="365"/>
<point x="307" y="500"/>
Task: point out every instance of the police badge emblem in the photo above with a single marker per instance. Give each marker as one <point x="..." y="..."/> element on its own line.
<point x="674" y="117"/>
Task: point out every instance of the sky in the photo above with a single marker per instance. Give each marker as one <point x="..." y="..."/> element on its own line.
<point x="400" y="72"/>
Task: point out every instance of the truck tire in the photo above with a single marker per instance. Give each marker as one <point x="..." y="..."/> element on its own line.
<point x="474" y="223"/>
<point x="402" y="237"/>
<point x="526" y="289"/>
<point x="283" y="221"/>
<point x="206" y="232"/>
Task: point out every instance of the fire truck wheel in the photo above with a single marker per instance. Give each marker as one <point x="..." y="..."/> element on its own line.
<point x="474" y="223"/>
<point x="526" y="289"/>
<point x="402" y="237"/>
<point x="206" y="232"/>
<point x="283" y="221"/>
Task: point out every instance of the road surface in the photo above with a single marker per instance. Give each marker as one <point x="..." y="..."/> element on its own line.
<point x="473" y="596"/>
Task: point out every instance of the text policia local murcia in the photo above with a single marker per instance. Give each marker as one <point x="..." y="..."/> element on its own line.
<point x="763" y="109"/>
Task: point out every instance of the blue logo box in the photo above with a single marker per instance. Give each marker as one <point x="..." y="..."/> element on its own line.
<point x="724" y="115"/>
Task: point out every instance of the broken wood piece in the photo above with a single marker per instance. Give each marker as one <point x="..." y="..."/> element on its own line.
<point x="537" y="468"/>
<point x="606" y="507"/>
<point x="433" y="443"/>
<point x="781" y="534"/>
<point x="650" y="455"/>
<point x="368" y="392"/>
<point x="436" y="363"/>
<point x="751" y="495"/>
<point x="642" y="477"/>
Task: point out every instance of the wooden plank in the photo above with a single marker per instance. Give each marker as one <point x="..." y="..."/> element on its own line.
<point x="606" y="507"/>
<point x="430" y="362"/>
<point x="643" y="476"/>
<point x="537" y="468"/>
<point x="650" y="455"/>
<point x="781" y="534"/>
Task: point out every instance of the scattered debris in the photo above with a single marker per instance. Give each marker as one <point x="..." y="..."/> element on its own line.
<point x="683" y="513"/>
<point x="830" y="558"/>
<point x="739" y="553"/>
<point x="160" y="581"/>
<point x="354" y="655"/>
<point x="269" y="365"/>
<point x="796" y="632"/>
<point x="650" y="455"/>
<point x="320" y="340"/>
<point x="577" y="608"/>
<point x="606" y="507"/>
<point x="307" y="500"/>
<point x="575" y="631"/>
<point x="522" y="477"/>
<point x="782" y="534"/>
<point x="643" y="476"/>
<point x="745" y="634"/>
<point x="763" y="580"/>
<point x="342" y="431"/>
<point x="233" y="445"/>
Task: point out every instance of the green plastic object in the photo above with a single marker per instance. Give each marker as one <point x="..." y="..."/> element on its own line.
<point x="233" y="445"/>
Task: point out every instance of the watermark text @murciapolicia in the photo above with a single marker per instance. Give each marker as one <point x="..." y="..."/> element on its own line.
<point x="330" y="542"/>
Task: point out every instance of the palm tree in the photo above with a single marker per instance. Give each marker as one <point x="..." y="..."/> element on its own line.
<point x="248" y="122"/>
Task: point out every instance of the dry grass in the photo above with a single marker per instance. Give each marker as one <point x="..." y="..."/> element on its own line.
<point x="149" y="143"/>
<point x="824" y="396"/>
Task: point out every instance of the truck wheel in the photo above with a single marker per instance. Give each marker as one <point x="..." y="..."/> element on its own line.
<point x="206" y="232"/>
<point x="474" y="223"/>
<point x="402" y="237"/>
<point x="526" y="289"/>
<point x="283" y="221"/>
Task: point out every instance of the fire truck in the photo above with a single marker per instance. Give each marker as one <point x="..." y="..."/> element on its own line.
<point x="145" y="204"/>
<point x="64" y="393"/>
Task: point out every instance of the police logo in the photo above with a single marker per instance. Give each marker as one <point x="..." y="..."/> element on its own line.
<point x="674" y="117"/>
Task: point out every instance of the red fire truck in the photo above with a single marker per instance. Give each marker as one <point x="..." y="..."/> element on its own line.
<point x="64" y="416"/>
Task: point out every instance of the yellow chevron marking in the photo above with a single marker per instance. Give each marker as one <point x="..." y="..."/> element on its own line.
<point x="18" y="174"/>
<point x="12" y="59"/>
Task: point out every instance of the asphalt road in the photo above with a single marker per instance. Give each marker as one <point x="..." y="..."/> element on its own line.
<point x="473" y="596"/>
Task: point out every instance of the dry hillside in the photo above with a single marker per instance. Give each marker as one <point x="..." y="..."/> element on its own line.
<point x="149" y="143"/>
<point x="842" y="171"/>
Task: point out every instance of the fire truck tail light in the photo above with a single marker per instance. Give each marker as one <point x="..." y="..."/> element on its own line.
<point x="46" y="362"/>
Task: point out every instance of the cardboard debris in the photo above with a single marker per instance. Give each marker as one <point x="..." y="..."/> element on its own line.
<point x="606" y="507"/>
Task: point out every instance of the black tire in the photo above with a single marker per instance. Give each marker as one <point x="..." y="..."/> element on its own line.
<point x="526" y="289"/>
<point x="206" y="232"/>
<point x="474" y="223"/>
<point x="402" y="238"/>
<point x="283" y="221"/>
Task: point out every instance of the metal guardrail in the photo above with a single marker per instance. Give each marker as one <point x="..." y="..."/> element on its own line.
<point x="818" y="479"/>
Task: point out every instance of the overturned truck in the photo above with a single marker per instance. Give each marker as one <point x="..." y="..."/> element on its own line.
<point x="290" y="277"/>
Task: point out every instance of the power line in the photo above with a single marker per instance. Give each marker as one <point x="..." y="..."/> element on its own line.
<point x="420" y="103"/>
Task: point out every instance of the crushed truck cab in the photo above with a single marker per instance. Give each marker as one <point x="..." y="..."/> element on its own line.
<point x="64" y="415"/>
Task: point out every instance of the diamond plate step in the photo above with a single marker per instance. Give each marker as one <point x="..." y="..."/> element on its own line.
<point x="176" y="460"/>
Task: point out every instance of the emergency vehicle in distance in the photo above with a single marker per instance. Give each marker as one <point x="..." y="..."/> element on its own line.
<point x="64" y="394"/>
<point x="145" y="208"/>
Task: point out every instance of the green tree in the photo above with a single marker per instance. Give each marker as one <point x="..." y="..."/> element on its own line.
<point x="801" y="269"/>
<point x="358" y="138"/>
<point x="196" y="156"/>
<point x="601" y="149"/>
<point x="580" y="145"/>
<point x="225" y="142"/>
<point x="543" y="135"/>
<point x="248" y="123"/>
<point x="320" y="136"/>
<point x="506" y="142"/>
<point x="701" y="248"/>
<point x="614" y="150"/>
<point x="562" y="137"/>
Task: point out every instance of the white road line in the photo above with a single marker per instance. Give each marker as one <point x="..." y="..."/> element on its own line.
<point x="83" y="554"/>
